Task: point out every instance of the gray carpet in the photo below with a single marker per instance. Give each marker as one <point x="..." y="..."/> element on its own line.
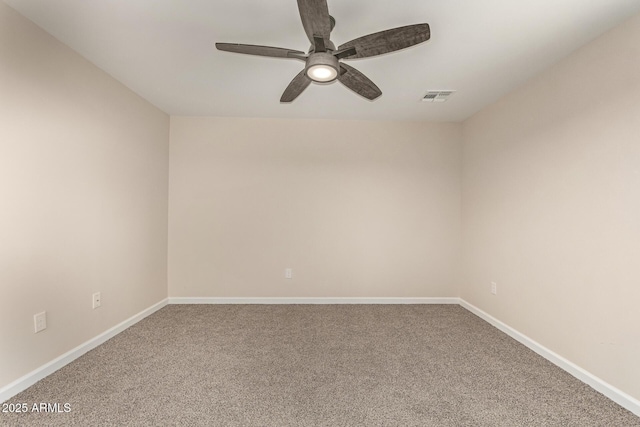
<point x="316" y="365"/>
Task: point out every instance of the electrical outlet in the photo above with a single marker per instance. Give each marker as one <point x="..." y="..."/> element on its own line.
<point x="494" y="288"/>
<point x="40" y="321"/>
<point x="96" y="300"/>
<point x="288" y="273"/>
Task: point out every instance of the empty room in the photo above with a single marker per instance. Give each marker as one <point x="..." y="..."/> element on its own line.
<point x="319" y="213"/>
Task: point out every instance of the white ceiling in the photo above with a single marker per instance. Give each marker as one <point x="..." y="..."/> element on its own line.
<point x="164" y="50"/>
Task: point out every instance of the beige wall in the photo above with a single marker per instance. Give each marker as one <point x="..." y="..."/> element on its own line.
<point x="83" y="198"/>
<point x="551" y="208"/>
<point x="354" y="208"/>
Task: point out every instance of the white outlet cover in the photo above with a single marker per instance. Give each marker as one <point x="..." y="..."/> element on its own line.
<point x="288" y="273"/>
<point x="40" y="321"/>
<point x="96" y="300"/>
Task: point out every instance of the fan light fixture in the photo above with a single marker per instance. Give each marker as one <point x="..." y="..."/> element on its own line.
<point x="322" y="67"/>
<point x="322" y="73"/>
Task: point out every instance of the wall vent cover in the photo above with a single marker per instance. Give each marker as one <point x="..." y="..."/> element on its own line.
<point x="438" y="95"/>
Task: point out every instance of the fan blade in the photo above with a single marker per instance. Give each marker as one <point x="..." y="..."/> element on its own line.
<point x="296" y="87"/>
<point x="388" y="40"/>
<point x="249" y="49"/>
<point x="315" y="18"/>
<point x="358" y="82"/>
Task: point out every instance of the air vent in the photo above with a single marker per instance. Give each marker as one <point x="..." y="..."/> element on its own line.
<point x="438" y="95"/>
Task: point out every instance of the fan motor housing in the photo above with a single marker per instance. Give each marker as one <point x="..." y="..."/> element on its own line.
<point x="322" y="59"/>
<point x="328" y="45"/>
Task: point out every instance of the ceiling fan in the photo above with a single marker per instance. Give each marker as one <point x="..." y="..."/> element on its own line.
<point x="323" y="59"/>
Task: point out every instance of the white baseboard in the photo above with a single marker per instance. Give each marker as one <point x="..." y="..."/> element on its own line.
<point x="618" y="396"/>
<point x="36" y="375"/>
<point x="350" y="300"/>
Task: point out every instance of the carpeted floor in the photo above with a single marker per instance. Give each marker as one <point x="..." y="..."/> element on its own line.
<point x="315" y="365"/>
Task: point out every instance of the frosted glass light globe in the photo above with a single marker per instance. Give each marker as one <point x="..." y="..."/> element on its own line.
<point x="322" y="73"/>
